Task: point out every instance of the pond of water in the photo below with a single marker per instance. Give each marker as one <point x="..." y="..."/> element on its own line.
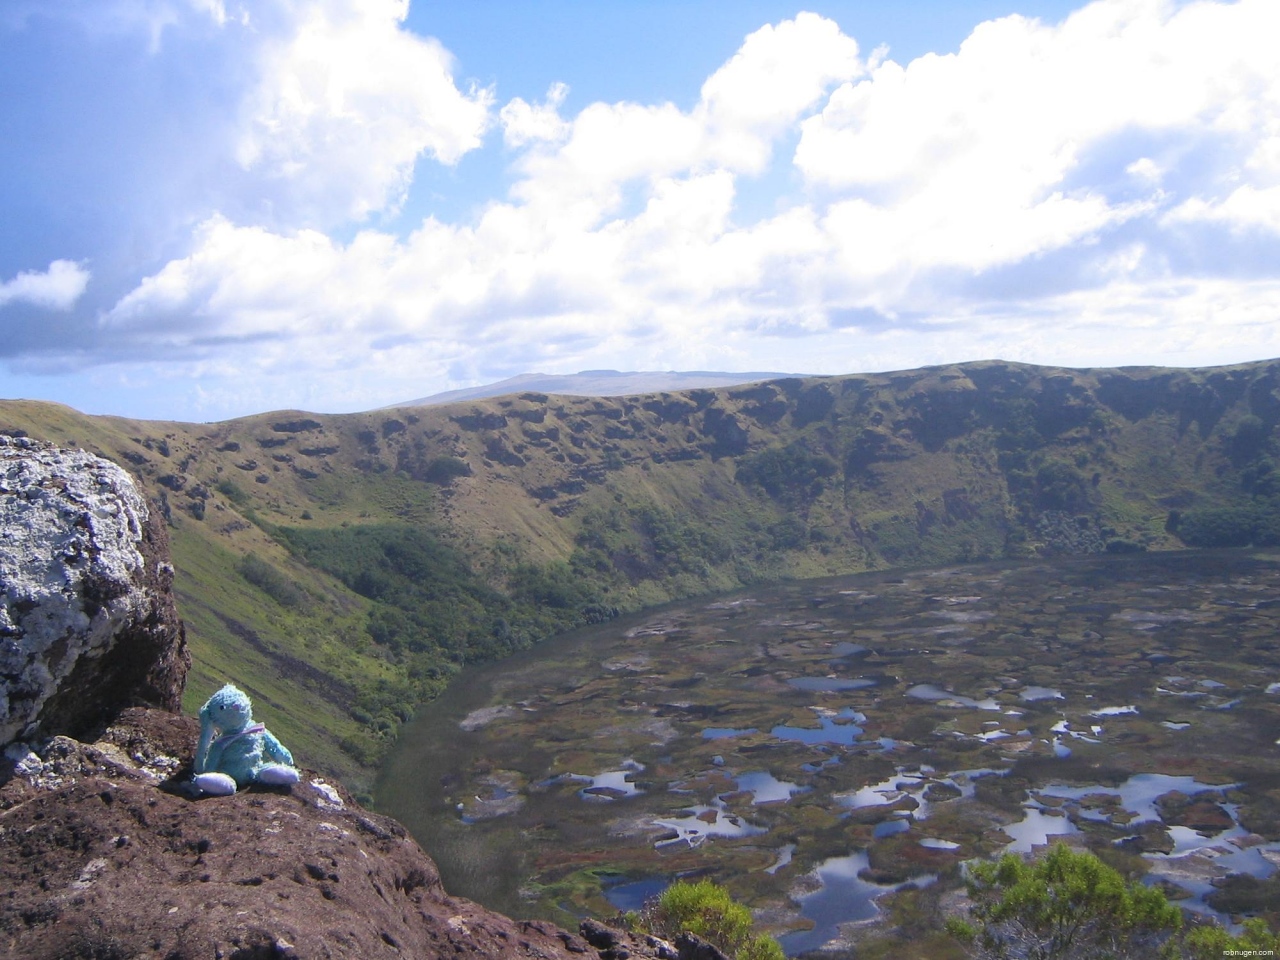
<point x="838" y="729"/>
<point x="927" y="691"/>
<point x="1033" y="693"/>
<point x="764" y="787"/>
<point x="634" y="894"/>
<point x="845" y="897"/>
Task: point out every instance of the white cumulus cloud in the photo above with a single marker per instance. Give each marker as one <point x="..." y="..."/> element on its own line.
<point x="58" y="288"/>
<point x="347" y="102"/>
<point x="777" y="76"/>
<point x="981" y="157"/>
<point x="524" y="122"/>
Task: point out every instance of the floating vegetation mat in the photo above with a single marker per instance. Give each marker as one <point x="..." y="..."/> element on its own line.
<point x="819" y="745"/>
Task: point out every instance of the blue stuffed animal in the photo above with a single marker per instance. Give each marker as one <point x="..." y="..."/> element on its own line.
<point x="243" y="752"/>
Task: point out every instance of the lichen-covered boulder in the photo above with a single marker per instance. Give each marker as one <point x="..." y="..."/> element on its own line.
<point x="87" y="619"/>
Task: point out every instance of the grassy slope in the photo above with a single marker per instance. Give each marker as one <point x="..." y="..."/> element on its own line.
<point x="642" y="496"/>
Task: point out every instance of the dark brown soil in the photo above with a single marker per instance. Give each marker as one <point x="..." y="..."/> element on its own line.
<point x="102" y="858"/>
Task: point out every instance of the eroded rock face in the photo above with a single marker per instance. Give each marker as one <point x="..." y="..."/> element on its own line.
<point x="87" y="620"/>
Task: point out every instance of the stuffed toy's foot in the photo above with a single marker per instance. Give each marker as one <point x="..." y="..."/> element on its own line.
<point x="215" y="784"/>
<point x="277" y="775"/>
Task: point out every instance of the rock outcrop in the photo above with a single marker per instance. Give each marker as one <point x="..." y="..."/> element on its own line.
<point x="87" y="619"/>
<point x="102" y="855"/>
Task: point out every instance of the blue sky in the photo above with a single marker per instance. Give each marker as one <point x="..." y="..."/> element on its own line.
<point x="211" y="208"/>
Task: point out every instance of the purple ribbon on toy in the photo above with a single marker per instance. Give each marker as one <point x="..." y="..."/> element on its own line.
<point x="228" y="737"/>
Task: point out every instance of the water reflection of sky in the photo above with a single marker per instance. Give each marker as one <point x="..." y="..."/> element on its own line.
<point x="844" y="897"/>
<point x="885" y="793"/>
<point x="1040" y="693"/>
<point x="933" y="843"/>
<point x="1138" y="794"/>
<point x="1036" y="827"/>
<point x="846" y="648"/>
<point x="610" y="785"/>
<point x="1128" y="710"/>
<point x="927" y="691"/>
<point x="888" y="828"/>
<point x="724" y="733"/>
<point x="716" y="820"/>
<point x="766" y="788"/>
<point x="839" y="728"/>
<point x="703" y="822"/>
<point x="913" y="784"/>
<point x="612" y="781"/>
<point x="784" y="858"/>
<point x="634" y="894"/>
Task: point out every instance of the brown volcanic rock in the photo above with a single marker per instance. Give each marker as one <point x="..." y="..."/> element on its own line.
<point x="103" y="854"/>
<point x="87" y="619"/>
<point x="100" y="858"/>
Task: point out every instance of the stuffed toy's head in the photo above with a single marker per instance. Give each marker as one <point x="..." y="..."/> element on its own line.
<point x="228" y="710"/>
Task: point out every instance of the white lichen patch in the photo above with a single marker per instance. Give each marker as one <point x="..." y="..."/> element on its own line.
<point x="89" y="874"/>
<point x="328" y="799"/>
<point x="69" y="556"/>
<point x="158" y="767"/>
<point x="25" y="762"/>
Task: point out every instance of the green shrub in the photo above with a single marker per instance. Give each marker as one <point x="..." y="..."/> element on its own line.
<point x="554" y="585"/>
<point x="789" y="474"/>
<point x="1247" y="440"/>
<point x="1064" y="906"/>
<point x="233" y="492"/>
<point x="1060" y="486"/>
<point x="1212" y="942"/>
<point x="645" y="541"/>
<point x="706" y="909"/>
<point x="1251" y="523"/>
<point x="789" y="533"/>
<point x="271" y="581"/>
<point x="442" y="471"/>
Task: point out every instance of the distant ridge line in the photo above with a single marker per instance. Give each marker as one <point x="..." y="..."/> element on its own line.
<point x="598" y="383"/>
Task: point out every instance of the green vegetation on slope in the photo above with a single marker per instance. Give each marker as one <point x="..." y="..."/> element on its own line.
<point x="431" y="611"/>
<point x="1251" y="516"/>
<point x="485" y="526"/>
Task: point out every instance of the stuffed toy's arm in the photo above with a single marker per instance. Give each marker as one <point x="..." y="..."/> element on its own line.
<point x="274" y="749"/>
<point x="214" y="760"/>
<point x="202" y="759"/>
